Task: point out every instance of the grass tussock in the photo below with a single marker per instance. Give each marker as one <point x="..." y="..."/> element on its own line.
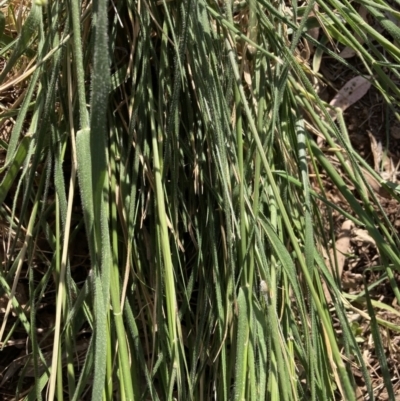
<point x="165" y="189"/>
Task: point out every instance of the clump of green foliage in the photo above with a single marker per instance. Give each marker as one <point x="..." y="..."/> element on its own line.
<point x="178" y="136"/>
